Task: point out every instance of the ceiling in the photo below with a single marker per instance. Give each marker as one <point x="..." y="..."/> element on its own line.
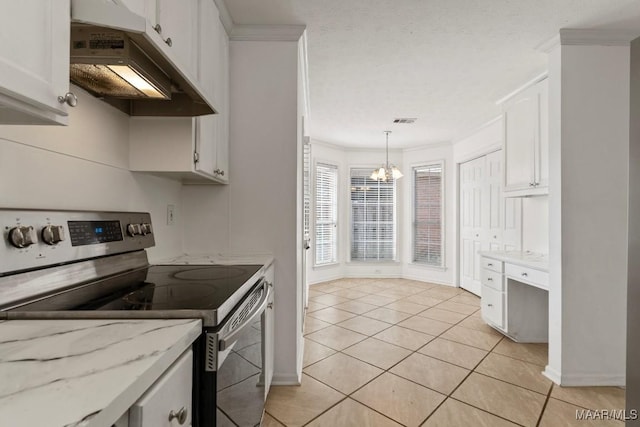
<point x="444" y="62"/>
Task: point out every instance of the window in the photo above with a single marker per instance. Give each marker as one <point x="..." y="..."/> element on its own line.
<point x="373" y="226"/>
<point x="427" y="215"/>
<point x="326" y="214"/>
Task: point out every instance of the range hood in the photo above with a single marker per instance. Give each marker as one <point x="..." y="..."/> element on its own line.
<point x="115" y="56"/>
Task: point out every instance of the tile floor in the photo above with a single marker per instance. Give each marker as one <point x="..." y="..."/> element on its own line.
<point x="391" y="352"/>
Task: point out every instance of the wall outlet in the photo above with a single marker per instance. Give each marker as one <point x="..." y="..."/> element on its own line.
<point x="170" y="214"/>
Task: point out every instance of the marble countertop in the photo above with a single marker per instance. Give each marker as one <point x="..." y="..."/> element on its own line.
<point x="73" y="373"/>
<point x="220" y="258"/>
<point x="533" y="260"/>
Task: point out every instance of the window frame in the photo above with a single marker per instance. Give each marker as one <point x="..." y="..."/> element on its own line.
<point x="335" y="261"/>
<point x="443" y="200"/>
<point x="396" y="220"/>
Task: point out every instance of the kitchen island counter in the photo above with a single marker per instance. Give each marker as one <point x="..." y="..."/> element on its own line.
<point x="64" y="373"/>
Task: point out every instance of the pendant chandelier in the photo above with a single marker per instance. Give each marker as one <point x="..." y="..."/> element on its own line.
<point x="386" y="171"/>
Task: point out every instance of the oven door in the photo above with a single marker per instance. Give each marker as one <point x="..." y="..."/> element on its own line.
<point x="242" y="382"/>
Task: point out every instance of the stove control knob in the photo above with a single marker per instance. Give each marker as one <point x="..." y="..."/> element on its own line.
<point x="145" y="229"/>
<point x="22" y="236"/>
<point x="133" y="230"/>
<point x="52" y="234"/>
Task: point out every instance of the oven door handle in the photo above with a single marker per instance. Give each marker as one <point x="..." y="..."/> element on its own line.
<point x="226" y="341"/>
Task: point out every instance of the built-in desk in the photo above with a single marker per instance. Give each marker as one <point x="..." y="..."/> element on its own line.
<point x="515" y="297"/>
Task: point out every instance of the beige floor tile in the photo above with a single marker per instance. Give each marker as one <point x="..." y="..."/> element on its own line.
<point x="505" y="400"/>
<point x="516" y="372"/>
<point x="467" y="298"/>
<point x="315" y="306"/>
<point x="356" y="307"/>
<point x="471" y="337"/>
<point x="591" y="397"/>
<point x="297" y="405"/>
<point x="364" y="325"/>
<point x="387" y="315"/>
<point x="427" y="326"/>
<point x="532" y="353"/>
<point x="342" y="372"/>
<point x="404" y="337"/>
<point x="332" y="315"/>
<point x="369" y="288"/>
<point x="457" y="414"/>
<point x="457" y="307"/>
<point x="269" y="421"/>
<point x="475" y="322"/>
<point x="443" y="292"/>
<point x="423" y="299"/>
<point x="311" y="324"/>
<point x="336" y="338"/>
<point x="314" y="352"/>
<point x="453" y="352"/>
<point x="346" y="284"/>
<point x="325" y="287"/>
<point x="558" y="413"/>
<point x="351" y="413"/>
<point x="314" y="293"/>
<point x="406" y="307"/>
<point x="378" y="299"/>
<point x="443" y="315"/>
<point x="440" y="376"/>
<point x="404" y="401"/>
<point x="329" y="299"/>
<point x="349" y="293"/>
<point x="378" y="353"/>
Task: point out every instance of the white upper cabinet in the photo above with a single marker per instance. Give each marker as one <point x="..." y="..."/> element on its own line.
<point x="526" y="142"/>
<point x="34" y="62"/>
<point x="194" y="150"/>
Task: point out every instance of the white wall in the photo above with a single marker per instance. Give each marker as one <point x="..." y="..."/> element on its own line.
<point x="84" y="166"/>
<point x="535" y="224"/>
<point x="419" y="157"/>
<point x="588" y="188"/>
<point x="257" y="211"/>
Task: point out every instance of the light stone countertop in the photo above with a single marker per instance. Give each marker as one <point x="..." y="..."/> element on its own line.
<point x="68" y="373"/>
<point x="220" y="258"/>
<point x="533" y="260"/>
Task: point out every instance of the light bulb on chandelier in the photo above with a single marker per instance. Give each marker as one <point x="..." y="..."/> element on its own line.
<point x="386" y="171"/>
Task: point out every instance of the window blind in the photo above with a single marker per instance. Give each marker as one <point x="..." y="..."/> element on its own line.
<point x="326" y="210"/>
<point x="373" y="227"/>
<point x="427" y="215"/>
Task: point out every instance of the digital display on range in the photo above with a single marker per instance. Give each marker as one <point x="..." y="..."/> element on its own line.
<point x="93" y="232"/>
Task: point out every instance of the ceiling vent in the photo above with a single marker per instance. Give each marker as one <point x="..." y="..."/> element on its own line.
<point x="405" y="120"/>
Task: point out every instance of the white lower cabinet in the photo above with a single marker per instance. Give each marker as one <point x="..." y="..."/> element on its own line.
<point x="168" y="402"/>
<point x="493" y="306"/>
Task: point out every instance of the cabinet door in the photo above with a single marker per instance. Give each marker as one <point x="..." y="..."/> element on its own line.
<point x="494" y="200"/>
<point x="542" y="149"/>
<point x="34" y="61"/>
<point x="268" y="337"/>
<point x="176" y="18"/>
<point x="520" y="121"/>
<point x="206" y="133"/>
<point x="493" y="307"/>
<point x="208" y="48"/>
<point x="222" y="154"/>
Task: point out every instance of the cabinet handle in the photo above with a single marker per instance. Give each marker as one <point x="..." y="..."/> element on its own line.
<point x="181" y="415"/>
<point x="524" y="274"/>
<point x="218" y="172"/>
<point x="531" y="184"/>
<point x="69" y="98"/>
<point x="495" y="237"/>
<point x="169" y="42"/>
<point x="489" y="305"/>
<point x="270" y="305"/>
<point x="490" y="279"/>
<point x="158" y="28"/>
<point x="477" y="235"/>
<point x="490" y="265"/>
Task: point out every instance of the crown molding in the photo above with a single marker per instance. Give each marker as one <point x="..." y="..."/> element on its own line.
<point x="589" y="37"/>
<point x="427" y="146"/>
<point x="280" y="33"/>
<point x="531" y="82"/>
<point x="472" y="131"/>
<point x="225" y="16"/>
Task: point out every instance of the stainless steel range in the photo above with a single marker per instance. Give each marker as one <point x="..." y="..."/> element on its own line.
<point x="69" y="264"/>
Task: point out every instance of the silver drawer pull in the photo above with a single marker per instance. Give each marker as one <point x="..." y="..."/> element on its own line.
<point x="489" y="305"/>
<point x="524" y="274"/>
<point x="490" y="279"/>
<point x="181" y="415"/>
<point x="490" y="265"/>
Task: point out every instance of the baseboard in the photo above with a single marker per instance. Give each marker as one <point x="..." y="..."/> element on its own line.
<point x="584" y="380"/>
<point x="421" y="279"/>
<point x="286" y="379"/>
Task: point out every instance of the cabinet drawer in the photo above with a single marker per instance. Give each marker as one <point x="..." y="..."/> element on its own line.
<point x="492" y="279"/>
<point x="493" y="306"/>
<point x="492" y="264"/>
<point x="172" y="392"/>
<point x="528" y="275"/>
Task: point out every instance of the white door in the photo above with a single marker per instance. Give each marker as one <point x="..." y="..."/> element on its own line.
<point x="494" y="201"/>
<point x="472" y="233"/>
